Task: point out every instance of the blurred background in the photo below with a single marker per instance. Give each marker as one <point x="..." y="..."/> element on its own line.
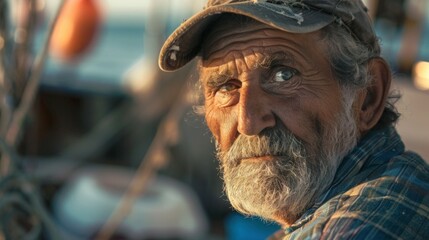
<point x="113" y="144"/>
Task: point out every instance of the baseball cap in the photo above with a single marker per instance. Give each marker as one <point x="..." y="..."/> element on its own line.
<point x="295" y="16"/>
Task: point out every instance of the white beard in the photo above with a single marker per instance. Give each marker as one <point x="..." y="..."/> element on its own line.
<point x="289" y="184"/>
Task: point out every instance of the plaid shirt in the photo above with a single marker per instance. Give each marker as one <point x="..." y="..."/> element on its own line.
<point x="380" y="191"/>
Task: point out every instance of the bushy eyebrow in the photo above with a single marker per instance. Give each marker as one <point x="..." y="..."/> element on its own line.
<point x="276" y="58"/>
<point x="215" y="79"/>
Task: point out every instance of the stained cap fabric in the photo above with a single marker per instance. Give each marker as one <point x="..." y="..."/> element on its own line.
<point x="296" y="16"/>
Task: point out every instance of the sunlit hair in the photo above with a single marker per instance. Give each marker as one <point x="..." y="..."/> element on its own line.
<point x="348" y="59"/>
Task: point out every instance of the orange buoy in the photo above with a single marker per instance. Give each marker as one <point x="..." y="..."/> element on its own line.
<point x="76" y="29"/>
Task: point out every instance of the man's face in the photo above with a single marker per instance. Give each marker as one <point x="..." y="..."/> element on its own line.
<point x="277" y="114"/>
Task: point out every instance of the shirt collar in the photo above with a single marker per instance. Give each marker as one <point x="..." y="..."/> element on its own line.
<point x="377" y="147"/>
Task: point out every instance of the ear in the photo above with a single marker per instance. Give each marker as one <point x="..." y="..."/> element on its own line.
<point x="371" y="100"/>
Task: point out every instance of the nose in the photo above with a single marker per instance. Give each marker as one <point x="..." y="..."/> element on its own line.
<point x="255" y="111"/>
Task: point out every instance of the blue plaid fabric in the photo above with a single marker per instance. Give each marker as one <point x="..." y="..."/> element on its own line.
<point x="380" y="191"/>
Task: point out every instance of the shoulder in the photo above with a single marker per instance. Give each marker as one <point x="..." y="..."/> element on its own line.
<point x="392" y="203"/>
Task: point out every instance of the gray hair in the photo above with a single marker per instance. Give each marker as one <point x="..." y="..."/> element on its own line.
<point x="349" y="58"/>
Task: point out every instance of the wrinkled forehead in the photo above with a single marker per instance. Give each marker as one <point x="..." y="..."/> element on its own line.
<point x="241" y="37"/>
<point x="227" y="26"/>
<point x="233" y="29"/>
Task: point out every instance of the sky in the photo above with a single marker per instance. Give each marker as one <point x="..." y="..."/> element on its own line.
<point x="132" y="9"/>
<point x="136" y="8"/>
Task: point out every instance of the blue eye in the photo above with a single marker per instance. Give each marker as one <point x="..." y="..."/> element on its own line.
<point x="284" y="75"/>
<point x="227" y="87"/>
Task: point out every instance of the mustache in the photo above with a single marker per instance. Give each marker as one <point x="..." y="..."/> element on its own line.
<point x="276" y="141"/>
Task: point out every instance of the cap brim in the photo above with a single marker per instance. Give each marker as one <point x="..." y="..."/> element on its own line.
<point x="185" y="42"/>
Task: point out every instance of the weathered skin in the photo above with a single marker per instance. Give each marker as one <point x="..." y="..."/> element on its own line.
<point x="243" y="95"/>
<point x="256" y="77"/>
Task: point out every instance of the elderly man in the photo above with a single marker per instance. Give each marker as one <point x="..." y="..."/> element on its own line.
<point x="297" y="97"/>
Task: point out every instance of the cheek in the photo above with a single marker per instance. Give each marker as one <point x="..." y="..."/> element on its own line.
<point x="213" y="123"/>
<point x="222" y="125"/>
<point x="301" y="119"/>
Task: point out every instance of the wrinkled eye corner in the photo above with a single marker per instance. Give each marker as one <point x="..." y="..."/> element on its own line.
<point x="228" y="87"/>
<point x="284" y="74"/>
